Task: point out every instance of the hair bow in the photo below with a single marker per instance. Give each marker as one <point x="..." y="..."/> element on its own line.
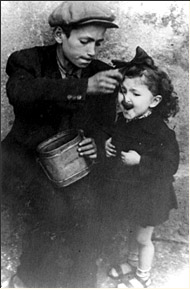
<point x="141" y="58"/>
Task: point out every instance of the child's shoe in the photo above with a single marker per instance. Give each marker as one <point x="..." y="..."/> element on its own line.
<point x="117" y="272"/>
<point x="140" y="279"/>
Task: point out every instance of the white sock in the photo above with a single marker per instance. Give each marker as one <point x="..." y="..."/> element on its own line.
<point x="143" y="274"/>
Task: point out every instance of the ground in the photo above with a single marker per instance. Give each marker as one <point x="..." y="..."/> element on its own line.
<point x="170" y="266"/>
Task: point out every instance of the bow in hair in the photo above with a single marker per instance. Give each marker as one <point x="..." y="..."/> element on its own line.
<point x="141" y="58"/>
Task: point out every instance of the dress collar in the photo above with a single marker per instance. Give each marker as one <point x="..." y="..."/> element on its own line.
<point x="150" y="123"/>
<point x="146" y="114"/>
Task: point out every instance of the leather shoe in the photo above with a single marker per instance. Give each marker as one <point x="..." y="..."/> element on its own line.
<point x="16" y="282"/>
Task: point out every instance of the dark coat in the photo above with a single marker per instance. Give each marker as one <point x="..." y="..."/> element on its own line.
<point x="144" y="191"/>
<point x="44" y="105"/>
<point x="42" y="100"/>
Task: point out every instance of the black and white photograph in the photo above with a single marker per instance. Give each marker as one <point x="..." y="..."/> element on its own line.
<point x="95" y="144"/>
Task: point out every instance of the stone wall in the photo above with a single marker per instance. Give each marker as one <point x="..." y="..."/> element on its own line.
<point x="159" y="27"/>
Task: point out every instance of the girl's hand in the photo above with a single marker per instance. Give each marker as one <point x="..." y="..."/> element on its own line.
<point x="130" y="158"/>
<point x="110" y="148"/>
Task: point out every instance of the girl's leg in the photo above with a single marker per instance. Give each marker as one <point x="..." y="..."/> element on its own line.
<point x="146" y="247"/>
<point x="141" y="279"/>
<point x="141" y="253"/>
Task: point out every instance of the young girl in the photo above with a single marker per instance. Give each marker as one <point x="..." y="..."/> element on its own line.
<point x="142" y="157"/>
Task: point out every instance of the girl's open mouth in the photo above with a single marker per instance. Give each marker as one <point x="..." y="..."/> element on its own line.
<point x="126" y="105"/>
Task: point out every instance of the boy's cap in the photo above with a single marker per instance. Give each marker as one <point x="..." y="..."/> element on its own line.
<point x="82" y="12"/>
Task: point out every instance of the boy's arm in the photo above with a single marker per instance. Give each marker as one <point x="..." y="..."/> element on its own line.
<point x="26" y="86"/>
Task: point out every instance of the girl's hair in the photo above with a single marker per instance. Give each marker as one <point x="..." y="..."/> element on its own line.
<point x="159" y="83"/>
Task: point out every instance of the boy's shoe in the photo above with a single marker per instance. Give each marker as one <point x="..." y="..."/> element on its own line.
<point x="16" y="282"/>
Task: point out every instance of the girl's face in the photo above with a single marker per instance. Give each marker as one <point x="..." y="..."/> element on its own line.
<point x="136" y="98"/>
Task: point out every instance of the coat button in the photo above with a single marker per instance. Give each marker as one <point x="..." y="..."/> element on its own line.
<point x="79" y="97"/>
<point x="69" y="97"/>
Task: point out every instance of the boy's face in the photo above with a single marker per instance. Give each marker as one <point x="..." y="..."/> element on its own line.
<point x="136" y="98"/>
<point x="81" y="46"/>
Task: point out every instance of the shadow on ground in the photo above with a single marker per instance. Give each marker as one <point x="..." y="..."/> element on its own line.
<point x="171" y="240"/>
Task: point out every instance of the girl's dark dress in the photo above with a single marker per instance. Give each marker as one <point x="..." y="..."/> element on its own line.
<point x="142" y="193"/>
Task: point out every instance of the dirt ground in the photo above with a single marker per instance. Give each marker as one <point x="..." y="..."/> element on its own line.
<point x="171" y="240"/>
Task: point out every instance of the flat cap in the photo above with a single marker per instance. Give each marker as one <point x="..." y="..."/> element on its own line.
<point x="76" y="13"/>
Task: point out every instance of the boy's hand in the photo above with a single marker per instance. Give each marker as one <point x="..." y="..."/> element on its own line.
<point x="104" y="82"/>
<point x="87" y="148"/>
<point x="130" y="158"/>
<point x="110" y="148"/>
